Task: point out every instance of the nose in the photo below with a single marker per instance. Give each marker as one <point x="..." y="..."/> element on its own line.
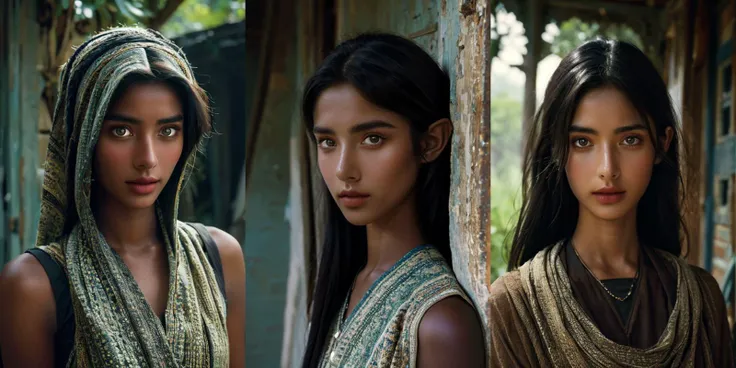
<point x="609" y="168"/>
<point x="347" y="170"/>
<point x="145" y="154"/>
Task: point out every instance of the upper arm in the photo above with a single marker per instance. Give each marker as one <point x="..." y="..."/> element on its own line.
<point x="27" y="314"/>
<point x="233" y="268"/>
<point x="450" y="335"/>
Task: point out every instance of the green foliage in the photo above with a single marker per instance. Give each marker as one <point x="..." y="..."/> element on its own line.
<point x="505" y="202"/>
<point x="190" y="15"/>
<point x="111" y="12"/>
<point x="575" y="32"/>
<point x="505" y="177"/>
<point x="196" y="15"/>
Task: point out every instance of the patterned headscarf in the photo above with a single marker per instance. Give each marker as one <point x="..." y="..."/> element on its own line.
<point x="115" y="327"/>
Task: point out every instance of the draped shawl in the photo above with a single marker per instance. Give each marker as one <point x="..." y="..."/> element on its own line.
<point x="536" y="318"/>
<point x="115" y="327"/>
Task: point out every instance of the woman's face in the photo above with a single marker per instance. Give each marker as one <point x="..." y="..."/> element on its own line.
<point x="365" y="155"/>
<point x="139" y="145"/>
<point x="611" y="155"/>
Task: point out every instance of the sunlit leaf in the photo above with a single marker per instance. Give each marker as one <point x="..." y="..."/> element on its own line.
<point x="123" y="8"/>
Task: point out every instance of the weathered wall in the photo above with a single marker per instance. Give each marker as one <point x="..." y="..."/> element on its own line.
<point x="470" y="226"/>
<point x="267" y="232"/>
<point x="20" y="91"/>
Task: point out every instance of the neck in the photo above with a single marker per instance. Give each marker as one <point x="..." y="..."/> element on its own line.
<point x="127" y="230"/>
<point x="609" y="248"/>
<point x="391" y="238"/>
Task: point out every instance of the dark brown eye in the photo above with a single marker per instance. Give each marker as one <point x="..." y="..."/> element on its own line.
<point x="326" y="143"/>
<point x="169" y="131"/>
<point x="120" y="132"/>
<point x="581" y="142"/>
<point x="373" y="140"/>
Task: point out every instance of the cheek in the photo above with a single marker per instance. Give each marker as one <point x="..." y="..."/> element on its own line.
<point x="170" y="152"/>
<point x="327" y="164"/>
<point x="638" y="167"/>
<point x="393" y="165"/>
<point x="109" y="156"/>
<point x="578" y="169"/>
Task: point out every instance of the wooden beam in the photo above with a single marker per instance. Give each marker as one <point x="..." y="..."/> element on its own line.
<point x="534" y="28"/>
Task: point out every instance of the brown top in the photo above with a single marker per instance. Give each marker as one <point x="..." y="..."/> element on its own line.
<point x="651" y="304"/>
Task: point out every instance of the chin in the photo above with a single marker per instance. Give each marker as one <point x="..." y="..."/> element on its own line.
<point x="610" y="213"/>
<point x="140" y="203"/>
<point x="357" y="217"/>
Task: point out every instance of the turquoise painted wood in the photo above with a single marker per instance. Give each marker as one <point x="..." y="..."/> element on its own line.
<point x="5" y="16"/>
<point x="720" y="182"/>
<point x="20" y="90"/>
<point x="267" y="231"/>
<point x="30" y="85"/>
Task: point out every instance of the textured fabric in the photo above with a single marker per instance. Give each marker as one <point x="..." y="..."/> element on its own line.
<point x="115" y="327"/>
<point x="537" y="321"/>
<point x="382" y="330"/>
<point x="65" y="326"/>
<point x="651" y="303"/>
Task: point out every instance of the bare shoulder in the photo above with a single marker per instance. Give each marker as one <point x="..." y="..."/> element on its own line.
<point x="27" y="314"/>
<point x="24" y="278"/>
<point x="226" y="243"/>
<point x="233" y="261"/>
<point x="233" y="267"/>
<point x="450" y="333"/>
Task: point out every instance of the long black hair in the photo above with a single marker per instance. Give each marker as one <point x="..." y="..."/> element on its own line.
<point x="549" y="211"/>
<point x="395" y="74"/>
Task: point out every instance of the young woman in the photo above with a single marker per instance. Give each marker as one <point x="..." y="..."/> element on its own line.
<point x="378" y="109"/>
<point x="117" y="281"/>
<point x="596" y="278"/>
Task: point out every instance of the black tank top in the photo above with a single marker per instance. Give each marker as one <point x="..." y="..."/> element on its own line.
<point x="64" y="336"/>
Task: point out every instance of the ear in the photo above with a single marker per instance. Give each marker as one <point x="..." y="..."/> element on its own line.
<point x="435" y="139"/>
<point x="665" y="142"/>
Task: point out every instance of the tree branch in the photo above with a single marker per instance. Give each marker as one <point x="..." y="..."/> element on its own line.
<point x="162" y="15"/>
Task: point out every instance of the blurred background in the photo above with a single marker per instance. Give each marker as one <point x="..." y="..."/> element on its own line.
<point x="689" y="41"/>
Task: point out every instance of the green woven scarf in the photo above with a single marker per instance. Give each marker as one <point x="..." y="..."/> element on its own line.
<point x="115" y="327"/>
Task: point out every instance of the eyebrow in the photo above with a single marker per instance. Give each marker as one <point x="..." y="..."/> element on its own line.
<point x="131" y="120"/>
<point x="362" y="127"/>
<point x="628" y="128"/>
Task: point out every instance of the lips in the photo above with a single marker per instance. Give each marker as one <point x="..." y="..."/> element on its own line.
<point x="143" y="186"/>
<point x="609" y="195"/>
<point x="352" y="199"/>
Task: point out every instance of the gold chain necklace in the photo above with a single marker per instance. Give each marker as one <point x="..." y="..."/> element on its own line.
<point x="631" y="288"/>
